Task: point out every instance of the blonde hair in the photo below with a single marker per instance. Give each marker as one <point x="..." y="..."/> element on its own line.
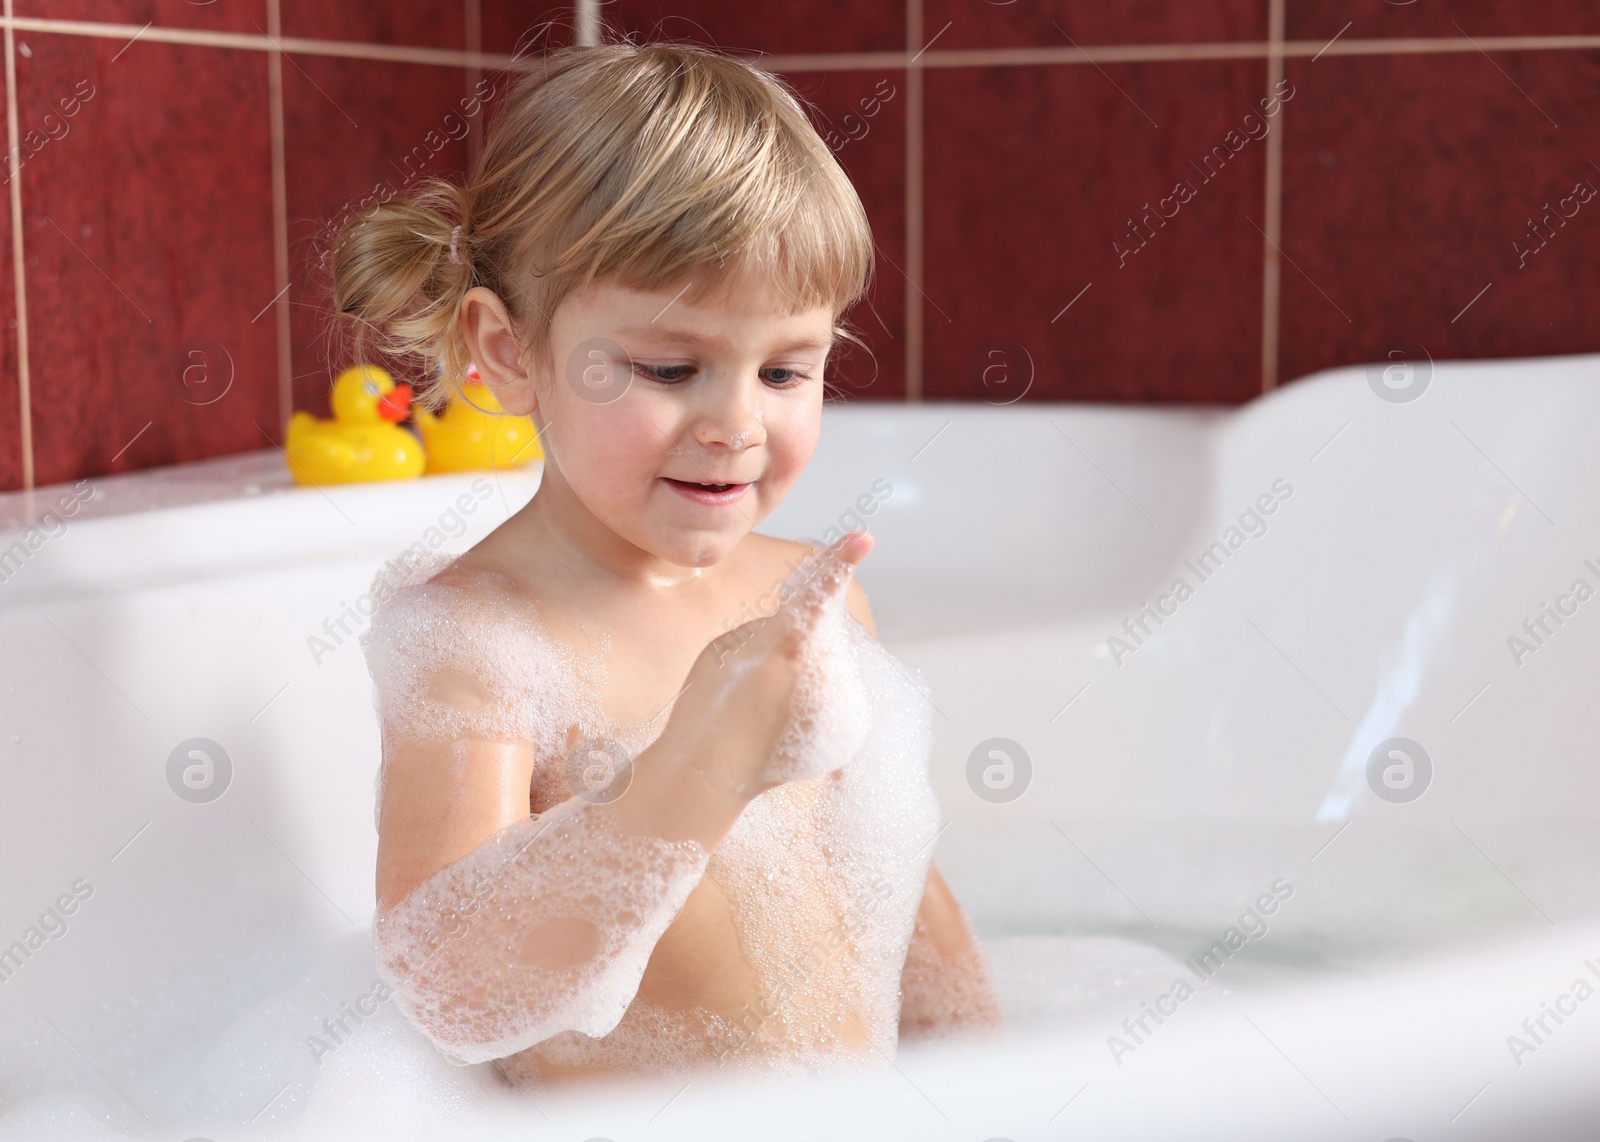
<point x="644" y="165"/>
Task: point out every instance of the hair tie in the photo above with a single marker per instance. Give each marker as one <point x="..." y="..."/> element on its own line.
<point x="455" y="236"/>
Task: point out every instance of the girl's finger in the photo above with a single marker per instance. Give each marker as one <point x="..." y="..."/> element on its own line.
<point x="821" y="576"/>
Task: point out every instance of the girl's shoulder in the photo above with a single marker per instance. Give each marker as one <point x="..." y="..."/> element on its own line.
<point x="439" y="576"/>
<point x="454" y="650"/>
<point x="417" y="590"/>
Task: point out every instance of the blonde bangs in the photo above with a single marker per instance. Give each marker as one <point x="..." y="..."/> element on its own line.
<point x="654" y="167"/>
<point x="729" y="197"/>
<point x="681" y="167"/>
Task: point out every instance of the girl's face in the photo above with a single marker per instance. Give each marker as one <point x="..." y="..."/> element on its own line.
<point x="677" y="427"/>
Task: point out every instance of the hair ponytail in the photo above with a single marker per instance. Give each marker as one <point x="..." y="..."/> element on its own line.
<point x="398" y="289"/>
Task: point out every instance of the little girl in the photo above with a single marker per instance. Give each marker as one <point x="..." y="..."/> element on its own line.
<point x="619" y="834"/>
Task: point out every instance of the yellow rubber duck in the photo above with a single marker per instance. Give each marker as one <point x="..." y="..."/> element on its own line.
<point x="476" y="432"/>
<point x="363" y="441"/>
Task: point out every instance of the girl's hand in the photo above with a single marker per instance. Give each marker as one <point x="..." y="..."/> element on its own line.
<point x="741" y="693"/>
<point x="744" y="690"/>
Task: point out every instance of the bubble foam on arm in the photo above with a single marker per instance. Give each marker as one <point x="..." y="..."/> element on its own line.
<point x="545" y="927"/>
<point x="497" y="929"/>
<point x="945" y="986"/>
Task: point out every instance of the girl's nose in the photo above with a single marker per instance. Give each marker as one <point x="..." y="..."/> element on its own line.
<point x="734" y="421"/>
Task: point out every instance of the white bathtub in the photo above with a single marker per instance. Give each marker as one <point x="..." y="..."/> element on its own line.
<point x="1174" y="779"/>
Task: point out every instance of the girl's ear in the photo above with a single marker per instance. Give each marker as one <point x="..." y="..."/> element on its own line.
<point x="492" y="340"/>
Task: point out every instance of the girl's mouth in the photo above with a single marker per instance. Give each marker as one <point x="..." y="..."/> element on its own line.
<point x="713" y="494"/>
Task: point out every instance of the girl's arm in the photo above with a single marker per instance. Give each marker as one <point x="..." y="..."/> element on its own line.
<point x="945" y="988"/>
<point x="497" y="929"/>
<point x="944" y="985"/>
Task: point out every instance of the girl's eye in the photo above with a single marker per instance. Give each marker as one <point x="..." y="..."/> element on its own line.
<point x="667" y="374"/>
<point x="791" y="378"/>
<point x="777" y="376"/>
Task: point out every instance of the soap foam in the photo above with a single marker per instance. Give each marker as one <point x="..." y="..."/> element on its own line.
<point x="827" y="874"/>
<point x="831" y="705"/>
<point x="575" y="905"/>
<point x="452" y="661"/>
<point x="944" y="995"/>
<point x="540" y="936"/>
<point x="470" y="660"/>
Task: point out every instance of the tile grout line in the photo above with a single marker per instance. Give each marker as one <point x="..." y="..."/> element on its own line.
<point x="472" y="18"/>
<point x="914" y="202"/>
<point x="19" y="274"/>
<point x="280" y="218"/>
<point x="586" y="21"/>
<point x="1271" y="264"/>
<point x="835" y="61"/>
<point x="1174" y="52"/>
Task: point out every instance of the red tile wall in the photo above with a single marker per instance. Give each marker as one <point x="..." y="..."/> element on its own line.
<point x="862" y="117"/>
<point x="1398" y="222"/>
<point x="1047" y="227"/>
<point x="367" y="143"/>
<point x="147" y="222"/>
<point x="1089" y="23"/>
<point x="1170" y="308"/>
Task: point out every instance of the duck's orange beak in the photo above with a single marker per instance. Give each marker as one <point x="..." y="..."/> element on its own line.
<point x="395" y="405"/>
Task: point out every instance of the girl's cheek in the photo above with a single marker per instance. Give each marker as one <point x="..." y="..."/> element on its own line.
<point x="792" y="436"/>
<point x="786" y="460"/>
<point x="624" y="443"/>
